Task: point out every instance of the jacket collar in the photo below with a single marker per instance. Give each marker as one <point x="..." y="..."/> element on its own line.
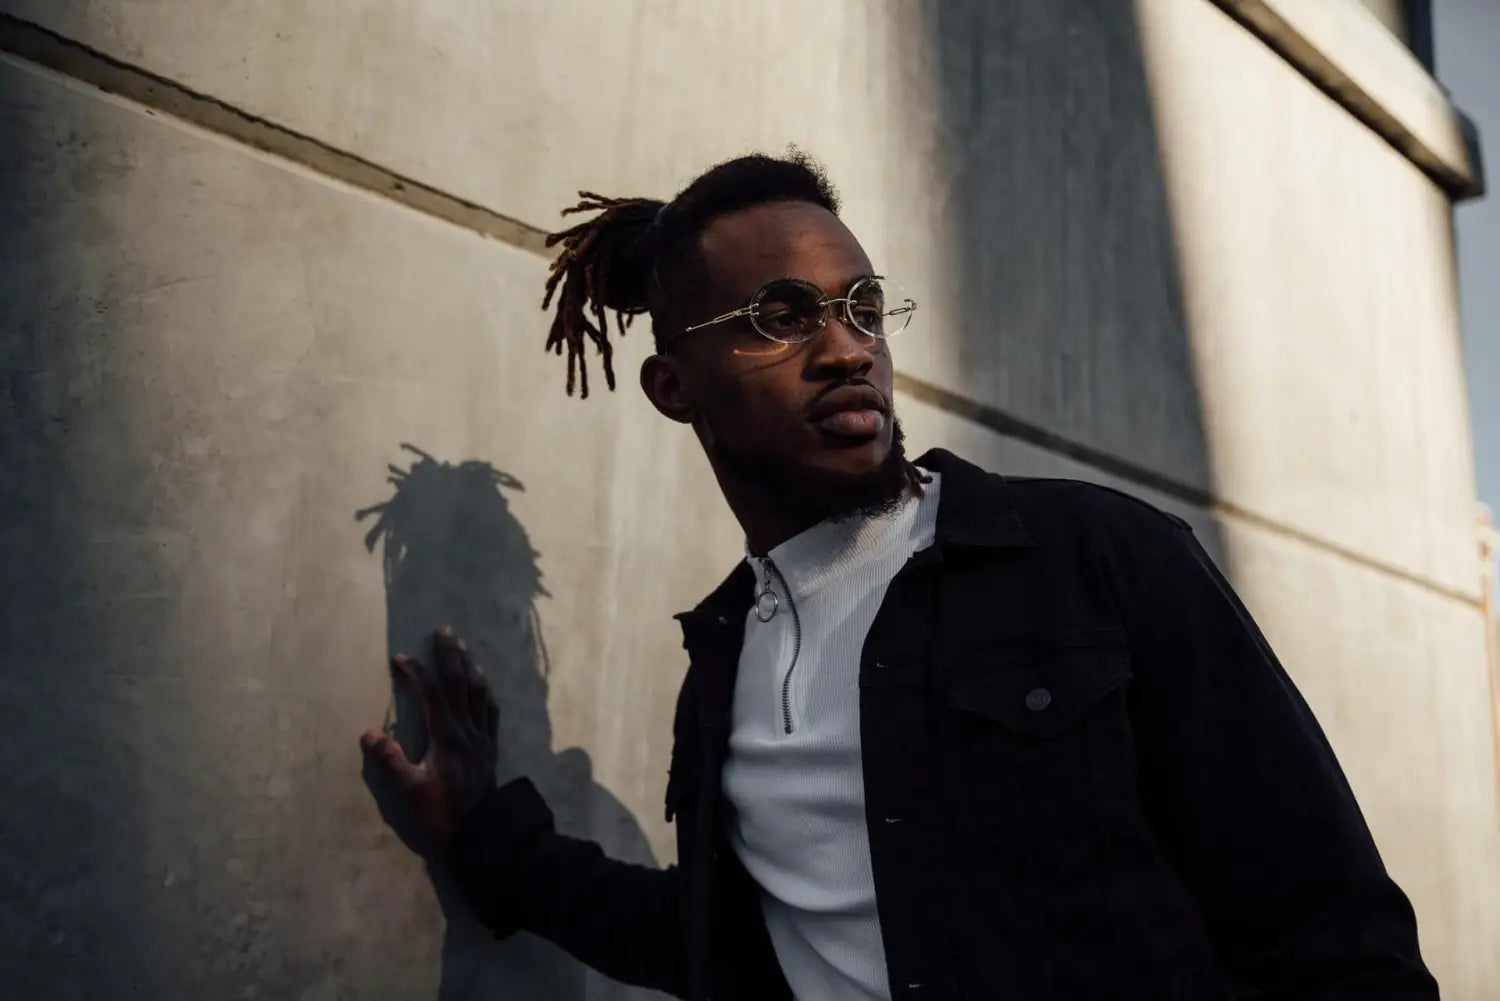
<point x="724" y="609"/>
<point x="975" y="511"/>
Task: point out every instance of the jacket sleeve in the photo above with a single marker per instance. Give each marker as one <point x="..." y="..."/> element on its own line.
<point x="517" y="872"/>
<point x="1249" y="802"/>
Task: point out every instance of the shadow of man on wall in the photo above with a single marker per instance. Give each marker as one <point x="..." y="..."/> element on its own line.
<point x="454" y="554"/>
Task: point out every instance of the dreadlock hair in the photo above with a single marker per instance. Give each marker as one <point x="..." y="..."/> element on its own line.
<point x="629" y="257"/>
<point x="635" y="253"/>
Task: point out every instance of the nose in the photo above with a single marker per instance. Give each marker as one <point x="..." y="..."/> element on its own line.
<point x="842" y="350"/>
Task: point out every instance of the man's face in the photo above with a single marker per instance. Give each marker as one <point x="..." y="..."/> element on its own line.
<point x="815" y="417"/>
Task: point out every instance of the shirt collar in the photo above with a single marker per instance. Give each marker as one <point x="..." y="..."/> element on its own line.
<point x="975" y="510"/>
<point x="832" y="549"/>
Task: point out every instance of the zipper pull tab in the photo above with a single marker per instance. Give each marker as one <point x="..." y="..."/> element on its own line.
<point x="766" y="602"/>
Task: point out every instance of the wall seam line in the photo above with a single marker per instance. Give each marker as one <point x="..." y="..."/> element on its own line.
<point x="1018" y="429"/>
<point x="77" y="61"/>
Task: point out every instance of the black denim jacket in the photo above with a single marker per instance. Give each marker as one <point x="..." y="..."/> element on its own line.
<point x="1086" y="776"/>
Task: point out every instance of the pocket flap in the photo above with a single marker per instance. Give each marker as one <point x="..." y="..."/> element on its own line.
<point x="1044" y="696"/>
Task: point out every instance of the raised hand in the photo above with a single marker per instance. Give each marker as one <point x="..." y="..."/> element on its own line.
<point x="462" y="722"/>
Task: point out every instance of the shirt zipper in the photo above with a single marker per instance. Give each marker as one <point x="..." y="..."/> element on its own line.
<point x="786" y="682"/>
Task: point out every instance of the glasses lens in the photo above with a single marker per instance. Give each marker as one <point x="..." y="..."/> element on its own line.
<point x="880" y="307"/>
<point x="789" y="311"/>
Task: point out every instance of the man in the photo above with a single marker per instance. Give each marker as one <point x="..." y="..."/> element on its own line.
<point x="943" y="734"/>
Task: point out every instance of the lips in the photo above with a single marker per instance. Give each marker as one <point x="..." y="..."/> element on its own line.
<point x="864" y="397"/>
<point x="857" y="411"/>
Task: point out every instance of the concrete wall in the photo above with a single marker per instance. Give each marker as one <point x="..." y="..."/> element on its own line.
<point x="1149" y="252"/>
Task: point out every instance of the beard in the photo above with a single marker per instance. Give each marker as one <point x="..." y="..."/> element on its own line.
<point x="824" y="495"/>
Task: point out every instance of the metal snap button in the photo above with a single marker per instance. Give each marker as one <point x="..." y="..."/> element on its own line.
<point x="1038" y="699"/>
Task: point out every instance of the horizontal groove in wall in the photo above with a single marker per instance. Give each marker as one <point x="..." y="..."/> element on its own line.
<point x="1013" y="427"/>
<point x="47" y="49"/>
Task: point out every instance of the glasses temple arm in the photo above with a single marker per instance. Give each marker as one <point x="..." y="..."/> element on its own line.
<point x="742" y="311"/>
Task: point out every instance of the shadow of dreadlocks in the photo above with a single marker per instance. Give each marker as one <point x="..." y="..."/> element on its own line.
<point x="455" y="554"/>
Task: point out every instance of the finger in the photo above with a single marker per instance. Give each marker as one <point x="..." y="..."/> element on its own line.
<point x="456" y="674"/>
<point x="385" y="751"/>
<point x="450" y="655"/>
<point x="437" y="708"/>
<point x="479" y="696"/>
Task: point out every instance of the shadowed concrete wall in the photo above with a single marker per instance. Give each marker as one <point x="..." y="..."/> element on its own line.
<point x="1146" y="254"/>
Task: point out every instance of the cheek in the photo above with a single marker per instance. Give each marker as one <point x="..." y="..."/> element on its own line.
<point x="747" y="411"/>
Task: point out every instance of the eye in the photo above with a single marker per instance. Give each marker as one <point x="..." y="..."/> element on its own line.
<point x="780" y="318"/>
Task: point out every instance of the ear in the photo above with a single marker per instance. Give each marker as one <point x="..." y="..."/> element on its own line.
<point x="662" y="380"/>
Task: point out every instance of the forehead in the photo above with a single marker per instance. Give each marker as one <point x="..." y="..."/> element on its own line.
<point x="743" y="250"/>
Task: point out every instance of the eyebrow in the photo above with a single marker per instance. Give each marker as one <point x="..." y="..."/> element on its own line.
<point x="851" y="282"/>
<point x="845" y="285"/>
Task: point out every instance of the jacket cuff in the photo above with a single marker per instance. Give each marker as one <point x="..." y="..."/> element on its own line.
<point x="486" y="853"/>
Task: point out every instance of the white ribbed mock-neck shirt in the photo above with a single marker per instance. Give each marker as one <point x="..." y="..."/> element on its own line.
<point x="799" y="802"/>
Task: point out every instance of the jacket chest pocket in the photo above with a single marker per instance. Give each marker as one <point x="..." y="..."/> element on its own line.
<point x="1041" y="742"/>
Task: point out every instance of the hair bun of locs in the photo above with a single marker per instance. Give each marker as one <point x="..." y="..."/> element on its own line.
<point x="605" y="264"/>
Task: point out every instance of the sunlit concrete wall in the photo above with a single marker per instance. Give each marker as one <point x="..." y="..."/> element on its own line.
<point x="1150" y="252"/>
<point x="1321" y="296"/>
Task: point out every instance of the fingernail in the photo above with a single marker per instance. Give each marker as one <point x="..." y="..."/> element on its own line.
<point x="446" y="632"/>
<point x="399" y="659"/>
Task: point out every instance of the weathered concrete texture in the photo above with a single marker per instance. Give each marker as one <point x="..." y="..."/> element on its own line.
<point x="210" y="359"/>
<point x="517" y="105"/>
<point x="1397" y="678"/>
<point x="1318" y="273"/>
<point x="209" y="362"/>
<point x="1029" y="119"/>
<point x="1343" y="46"/>
<point x="1048" y="241"/>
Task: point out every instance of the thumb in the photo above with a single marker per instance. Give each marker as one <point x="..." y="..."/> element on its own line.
<point x="383" y="749"/>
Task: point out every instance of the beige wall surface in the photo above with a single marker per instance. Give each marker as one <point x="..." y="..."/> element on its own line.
<point x="1319" y="280"/>
<point x="219" y="357"/>
<point x="999" y="158"/>
<point x="1148" y="250"/>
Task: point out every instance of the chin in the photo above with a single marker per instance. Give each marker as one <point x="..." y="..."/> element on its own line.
<point x="826" y="475"/>
<point x="853" y="462"/>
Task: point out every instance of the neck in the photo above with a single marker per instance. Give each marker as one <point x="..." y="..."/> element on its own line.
<point x="771" y="511"/>
<point x="765" y="518"/>
<point x="775" y="500"/>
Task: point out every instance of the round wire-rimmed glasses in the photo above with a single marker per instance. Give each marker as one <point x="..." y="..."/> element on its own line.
<point x="793" y="310"/>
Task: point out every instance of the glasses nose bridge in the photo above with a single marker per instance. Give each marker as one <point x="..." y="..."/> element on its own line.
<point x="829" y="314"/>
